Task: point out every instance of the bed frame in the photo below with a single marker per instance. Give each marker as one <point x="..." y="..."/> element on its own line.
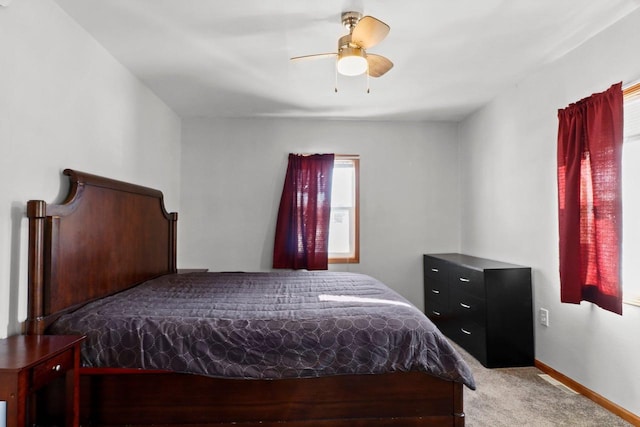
<point x="109" y="235"/>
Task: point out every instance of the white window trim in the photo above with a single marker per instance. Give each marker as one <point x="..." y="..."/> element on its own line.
<point x="355" y="259"/>
<point x="631" y="93"/>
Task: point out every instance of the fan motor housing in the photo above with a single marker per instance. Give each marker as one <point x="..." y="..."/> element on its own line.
<point x="350" y="19"/>
<point x="345" y="42"/>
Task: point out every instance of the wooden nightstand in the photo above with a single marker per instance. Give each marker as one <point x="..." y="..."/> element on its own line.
<point x="28" y="364"/>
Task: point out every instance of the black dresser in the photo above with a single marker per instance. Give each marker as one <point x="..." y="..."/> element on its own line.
<point x="485" y="306"/>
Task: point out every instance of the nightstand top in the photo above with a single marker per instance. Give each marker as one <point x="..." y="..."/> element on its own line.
<point x="23" y="351"/>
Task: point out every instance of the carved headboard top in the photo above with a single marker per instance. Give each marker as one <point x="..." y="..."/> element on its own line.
<point x="106" y="236"/>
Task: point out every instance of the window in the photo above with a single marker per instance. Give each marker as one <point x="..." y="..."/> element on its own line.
<point x="631" y="196"/>
<point x="343" y="229"/>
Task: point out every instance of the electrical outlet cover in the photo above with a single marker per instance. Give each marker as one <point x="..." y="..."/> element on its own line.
<point x="544" y="316"/>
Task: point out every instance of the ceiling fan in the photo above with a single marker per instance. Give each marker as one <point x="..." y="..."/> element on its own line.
<point x="352" y="58"/>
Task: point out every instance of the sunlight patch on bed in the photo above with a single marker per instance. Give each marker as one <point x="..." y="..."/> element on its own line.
<point x="351" y="298"/>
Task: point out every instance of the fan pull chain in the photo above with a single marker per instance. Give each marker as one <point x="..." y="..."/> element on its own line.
<point x="335" y="69"/>
<point x="368" y="88"/>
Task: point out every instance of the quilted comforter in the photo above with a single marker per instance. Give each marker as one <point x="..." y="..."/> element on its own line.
<point x="263" y="326"/>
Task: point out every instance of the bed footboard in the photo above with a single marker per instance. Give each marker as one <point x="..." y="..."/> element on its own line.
<point x="160" y="398"/>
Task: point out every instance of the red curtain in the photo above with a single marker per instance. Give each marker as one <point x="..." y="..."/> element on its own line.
<point x="302" y="228"/>
<point x="590" y="135"/>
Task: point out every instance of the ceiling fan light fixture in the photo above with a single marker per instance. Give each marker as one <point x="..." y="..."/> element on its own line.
<point x="352" y="61"/>
<point x="352" y="58"/>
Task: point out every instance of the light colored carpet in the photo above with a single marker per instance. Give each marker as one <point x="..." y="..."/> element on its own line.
<point x="520" y="397"/>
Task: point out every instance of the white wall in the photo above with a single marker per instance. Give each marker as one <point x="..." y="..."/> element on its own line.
<point x="232" y="176"/>
<point x="65" y="102"/>
<point x="509" y="208"/>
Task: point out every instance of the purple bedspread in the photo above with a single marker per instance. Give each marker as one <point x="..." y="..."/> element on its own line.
<point x="263" y="326"/>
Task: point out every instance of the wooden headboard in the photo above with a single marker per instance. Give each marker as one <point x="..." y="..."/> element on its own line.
<point x="107" y="236"/>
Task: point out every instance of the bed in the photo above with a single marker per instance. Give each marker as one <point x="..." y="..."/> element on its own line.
<point x="110" y="248"/>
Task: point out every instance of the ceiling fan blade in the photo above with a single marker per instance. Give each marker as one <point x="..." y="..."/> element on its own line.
<point x="314" y="56"/>
<point x="369" y="32"/>
<point x="378" y="65"/>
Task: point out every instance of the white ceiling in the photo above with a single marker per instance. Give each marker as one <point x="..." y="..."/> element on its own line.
<point x="231" y="58"/>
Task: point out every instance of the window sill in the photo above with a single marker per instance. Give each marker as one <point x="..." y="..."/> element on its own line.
<point x="353" y="260"/>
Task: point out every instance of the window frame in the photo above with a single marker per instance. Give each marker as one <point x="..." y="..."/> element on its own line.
<point x="355" y="259"/>
<point x="630" y="94"/>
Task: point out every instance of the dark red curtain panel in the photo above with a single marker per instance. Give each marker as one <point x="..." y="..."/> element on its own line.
<point x="590" y="199"/>
<point x="302" y="229"/>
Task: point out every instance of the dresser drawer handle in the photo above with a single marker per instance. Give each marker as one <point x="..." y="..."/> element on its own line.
<point x="435" y="291"/>
<point x="57" y="367"/>
<point x="435" y="270"/>
<point x="465" y="280"/>
<point x="463" y="305"/>
<point x="465" y="331"/>
<point x="437" y="313"/>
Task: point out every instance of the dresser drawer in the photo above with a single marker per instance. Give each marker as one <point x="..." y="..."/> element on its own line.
<point x="436" y="311"/>
<point x="436" y="291"/>
<point x="469" y="281"/>
<point x="471" y="332"/>
<point x="472" y="337"/>
<point x="52" y="368"/>
<point x="469" y="310"/>
<point x="436" y="269"/>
